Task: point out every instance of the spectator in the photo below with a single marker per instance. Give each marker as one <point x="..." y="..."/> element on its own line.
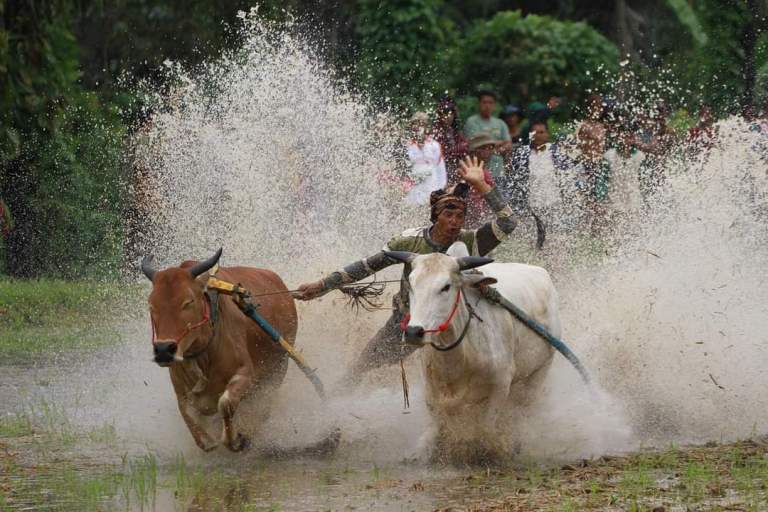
<point x="655" y="139"/>
<point x="427" y="167"/>
<point x="592" y="168"/>
<point x="481" y="146"/>
<point x="495" y="127"/>
<point x="446" y="131"/>
<point x="513" y="116"/>
<point x="536" y="111"/>
<point x="625" y="160"/>
<point x="703" y="135"/>
<point x="537" y="175"/>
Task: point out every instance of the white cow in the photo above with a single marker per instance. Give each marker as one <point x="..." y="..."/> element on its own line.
<point x="473" y="388"/>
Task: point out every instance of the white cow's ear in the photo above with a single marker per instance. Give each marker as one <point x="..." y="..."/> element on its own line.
<point x="475" y="280"/>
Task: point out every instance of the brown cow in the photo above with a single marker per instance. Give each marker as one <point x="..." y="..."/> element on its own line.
<point x="216" y="359"/>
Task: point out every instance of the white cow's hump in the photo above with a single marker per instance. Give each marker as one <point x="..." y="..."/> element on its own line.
<point x="527" y="286"/>
<point x="505" y="272"/>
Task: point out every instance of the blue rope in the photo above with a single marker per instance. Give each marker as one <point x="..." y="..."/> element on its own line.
<point x="495" y="296"/>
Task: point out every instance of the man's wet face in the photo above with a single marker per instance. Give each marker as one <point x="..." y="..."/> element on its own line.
<point x="450" y="221"/>
<point x="540" y="134"/>
<point x="418" y="130"/>
<point x="487" y="105"/>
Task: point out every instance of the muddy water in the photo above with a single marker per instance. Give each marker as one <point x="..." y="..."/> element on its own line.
<point x="79" y="397"/>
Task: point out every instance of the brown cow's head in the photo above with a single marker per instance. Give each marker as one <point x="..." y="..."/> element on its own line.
<point x="178" y="309"/>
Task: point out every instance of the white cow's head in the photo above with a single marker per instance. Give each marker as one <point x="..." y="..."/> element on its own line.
<point x="436" y="281"/>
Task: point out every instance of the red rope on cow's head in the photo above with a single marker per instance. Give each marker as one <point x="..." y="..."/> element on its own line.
<point x="443" y="326"/>
<point x="190" y="327"/>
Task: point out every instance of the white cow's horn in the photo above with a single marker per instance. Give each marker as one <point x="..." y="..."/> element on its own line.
<point x="468" y="262"/>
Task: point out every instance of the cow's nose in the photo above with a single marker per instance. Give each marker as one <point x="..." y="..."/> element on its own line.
<point x="164" y="351"/>
<point x="414" y="334"/>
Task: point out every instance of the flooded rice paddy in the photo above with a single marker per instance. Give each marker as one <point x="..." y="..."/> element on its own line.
<point x="668" y="313"/>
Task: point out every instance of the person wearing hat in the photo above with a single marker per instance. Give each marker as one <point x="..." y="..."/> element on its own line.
<point x="482" y="146"/>
<point x="493" y="126"/>
<point x="447" y="214"/>
<point x="513" y="116"/>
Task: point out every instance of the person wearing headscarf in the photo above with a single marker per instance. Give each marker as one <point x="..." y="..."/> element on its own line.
<point x="448" y="209"/>
<point x="447" y="132"/>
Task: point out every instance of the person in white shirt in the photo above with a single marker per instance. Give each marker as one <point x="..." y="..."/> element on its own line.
<point x="537" y="182"/>
<point x="537" y="176"/>
<point x="425" y="158"/>
<point x="624" y="195"/>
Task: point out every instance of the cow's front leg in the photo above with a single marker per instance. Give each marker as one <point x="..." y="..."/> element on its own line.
<point x="201" y="437"/>
<point x="237" y="387"/>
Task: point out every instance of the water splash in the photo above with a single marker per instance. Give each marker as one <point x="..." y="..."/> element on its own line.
<point x="266" y="153"/>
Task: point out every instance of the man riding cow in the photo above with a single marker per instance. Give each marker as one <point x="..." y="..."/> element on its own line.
<point x="448" y="210"/>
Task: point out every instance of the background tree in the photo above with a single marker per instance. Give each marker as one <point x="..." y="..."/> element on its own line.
<point x="402" y="49"/>
<point x="60" y="167"/>
<point x="533" y="57"/>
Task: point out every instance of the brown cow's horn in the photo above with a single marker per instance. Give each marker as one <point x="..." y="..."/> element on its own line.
<point x="205" y="265"/>
<point x="148" y="267"/>
<point x="468" y="262"/>
<point x="402" y="256"/>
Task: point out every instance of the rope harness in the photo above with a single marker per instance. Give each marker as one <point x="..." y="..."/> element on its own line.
<point x="190" y="326"/>
<point x="445" y="325"/>
<point x="242" y="299"/>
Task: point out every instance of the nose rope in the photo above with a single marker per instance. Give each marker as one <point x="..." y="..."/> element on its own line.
<point x="440" y="328"/>
<point x="444" y="326"/>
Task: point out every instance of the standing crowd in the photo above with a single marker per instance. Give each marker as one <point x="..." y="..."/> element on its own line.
<point x="611" y="164"/>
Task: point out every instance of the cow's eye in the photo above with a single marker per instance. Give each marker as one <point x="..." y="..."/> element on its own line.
<point x="186" y="304"/>
<point x="445" y="288"/>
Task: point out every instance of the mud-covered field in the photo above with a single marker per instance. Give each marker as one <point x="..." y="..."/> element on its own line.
<point x="94" y="426"/>
<point x="50" y="470"/>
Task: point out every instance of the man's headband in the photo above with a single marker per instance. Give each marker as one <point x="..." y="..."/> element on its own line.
<point x="453" y="199"/>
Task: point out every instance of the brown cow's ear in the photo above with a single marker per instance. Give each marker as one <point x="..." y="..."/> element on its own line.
<point x="148" y="267"/>
<point x="477" y="280"/>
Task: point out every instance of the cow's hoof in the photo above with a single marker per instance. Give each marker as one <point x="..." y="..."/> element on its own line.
<point x="206" y="446"/>
<point x="240" y="443"/>
<point x="209" y="447"/>
<point x="330" y="444"/>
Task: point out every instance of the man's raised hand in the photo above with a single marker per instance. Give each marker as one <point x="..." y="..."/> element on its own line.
<point x="471" y="171"/>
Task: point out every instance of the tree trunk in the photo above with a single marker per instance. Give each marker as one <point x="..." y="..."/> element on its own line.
<point x="623" y="32"/>
<point x="748" y="71"/>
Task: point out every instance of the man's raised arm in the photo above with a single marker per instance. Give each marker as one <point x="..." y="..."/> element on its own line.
<point x="494" y="232"/>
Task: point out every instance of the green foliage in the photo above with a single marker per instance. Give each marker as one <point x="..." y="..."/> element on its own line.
<point x="688" y="18"/>
<point x="402" y="49"/>
<point x="60" y="154"/>
<point x="533" y="57"/>
<point x="720" y="61"/>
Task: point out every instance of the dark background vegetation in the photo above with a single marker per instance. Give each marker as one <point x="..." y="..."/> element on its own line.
<point x="67" y="69"/>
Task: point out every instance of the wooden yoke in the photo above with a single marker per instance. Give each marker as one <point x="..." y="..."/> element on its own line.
<point x="242" y="297"/>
